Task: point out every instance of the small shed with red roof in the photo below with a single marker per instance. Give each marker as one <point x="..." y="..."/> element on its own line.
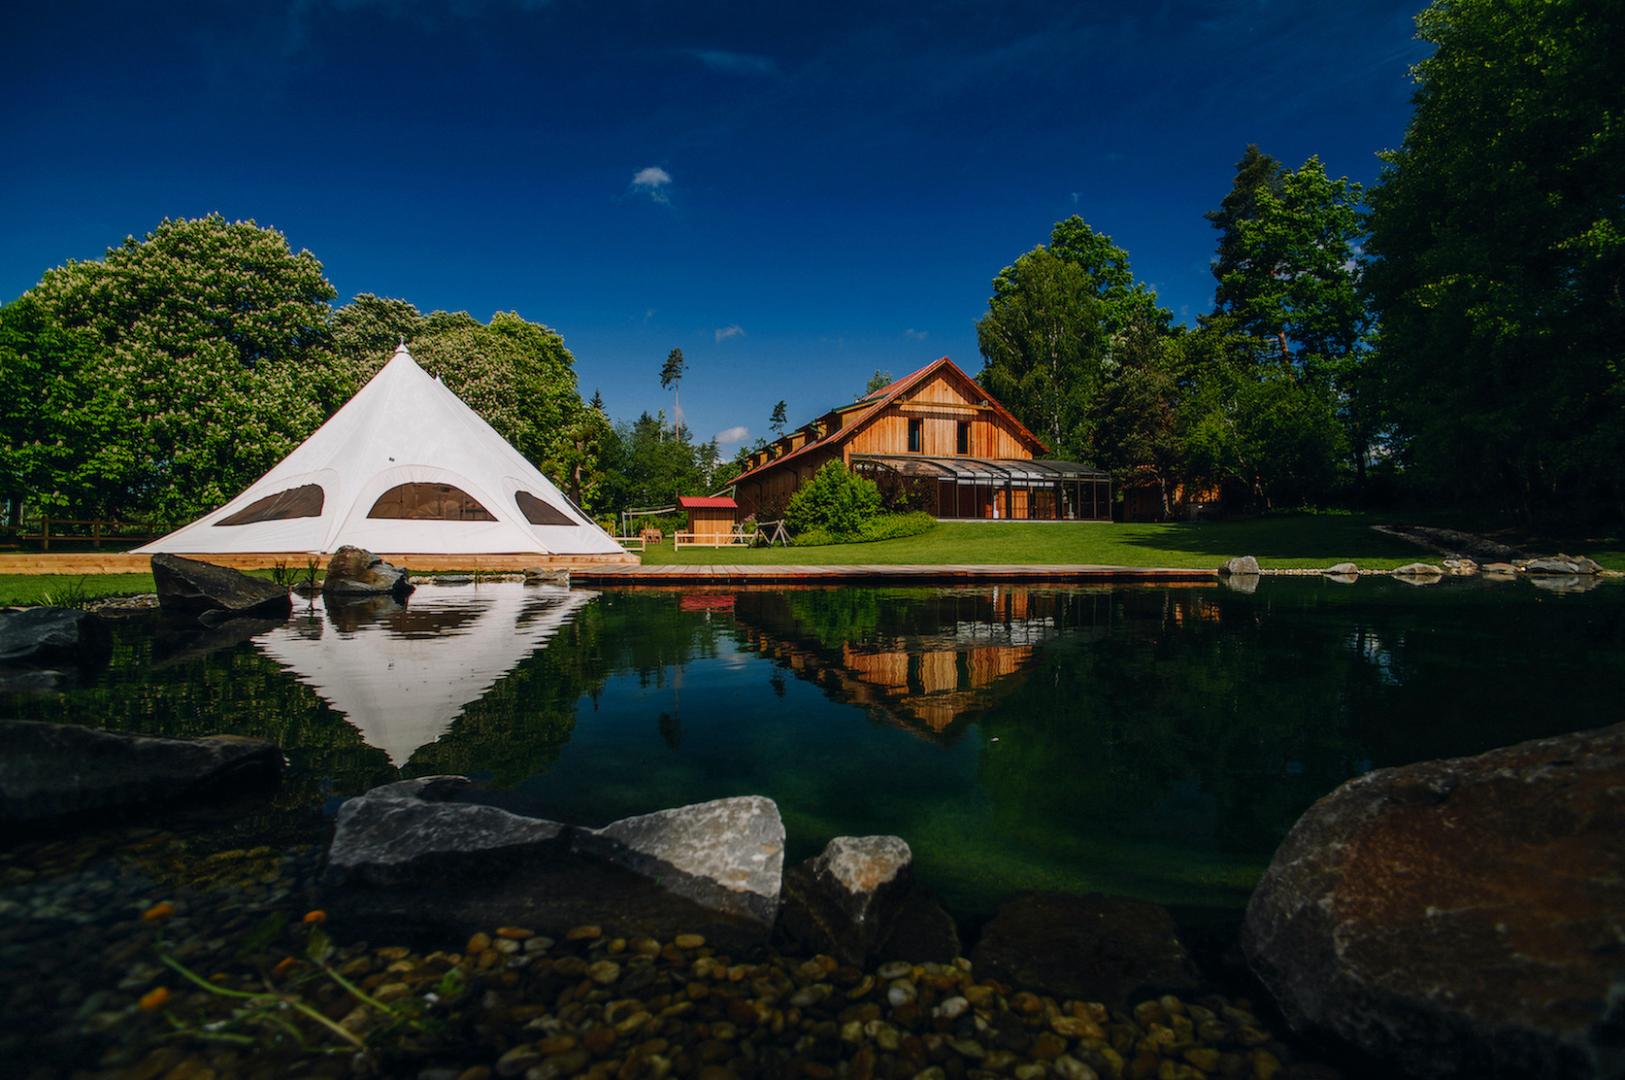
<point x="710" y="518"/>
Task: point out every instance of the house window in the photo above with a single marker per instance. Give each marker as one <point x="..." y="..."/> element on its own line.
<point x="298" y="502"/>
<point x="963" y="445"/>
<point x="429" y="502"/>
<point x="916" y="435"/>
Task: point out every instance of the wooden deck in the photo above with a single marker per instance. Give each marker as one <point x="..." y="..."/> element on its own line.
<point x="122" y="562"/>
<point x="880" y="573"/>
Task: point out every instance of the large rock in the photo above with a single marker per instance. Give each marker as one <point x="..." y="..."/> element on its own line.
<point x="1093" y="947"/>
<point x="420" y="858"/>
<point x="52" y="771"/>
<point x="355" y="571"/>
<point x="1459" y="917"/>
<point x="1565" y="565"/>
<point x="845" y="901"/>
<point x="199" y="588"/>
<point x="1240" y="565"/>
<point x="726" y="855"/>
<point x="53" y="637"/>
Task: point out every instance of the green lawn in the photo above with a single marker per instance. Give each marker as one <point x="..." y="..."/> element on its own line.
<point x="1300" y="540"/>
<point x="20" y="589"/>
<point x="1279" y="542"/>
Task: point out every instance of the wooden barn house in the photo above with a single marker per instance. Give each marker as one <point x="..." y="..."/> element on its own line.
<point x="934" y="440"/>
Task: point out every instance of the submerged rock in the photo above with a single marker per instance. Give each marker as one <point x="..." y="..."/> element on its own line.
<point x="1459" y="917"/>
<point x="53" y="637"/>
<point x="419" y="856"/>
<point x="355" y="571"/>
<point x="1093" y="947"/>
<point x="846" y="901"/>
<point x="1246" y="584"/>
<point x="55" y="770"/>
<point x="922" y="933"/>
<point x="408" y="833"/>
<point x="1241" y="564"/>
<point x="199" y="588"/>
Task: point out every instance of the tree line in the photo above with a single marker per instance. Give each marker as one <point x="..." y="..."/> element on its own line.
<point x="158" y="382"/>
<point x="1454" y="334"/>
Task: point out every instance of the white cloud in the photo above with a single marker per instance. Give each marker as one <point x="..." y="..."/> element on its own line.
<point x="735" y="63"/>
<point x="728" y="436"/>
<point x="731" y="331"/>
<point x="652" y="181"/>
<point x="916" y="335"/>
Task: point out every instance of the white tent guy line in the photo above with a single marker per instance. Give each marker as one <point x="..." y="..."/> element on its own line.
<point x="403" y="468"/>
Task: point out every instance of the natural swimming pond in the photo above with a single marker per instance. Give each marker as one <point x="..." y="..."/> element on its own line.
<point x="1149" y="741"/>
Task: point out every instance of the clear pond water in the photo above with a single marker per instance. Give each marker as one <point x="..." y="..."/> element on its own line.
<point x="1149" y="741"/>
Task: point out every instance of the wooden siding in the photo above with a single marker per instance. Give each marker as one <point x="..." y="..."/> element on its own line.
<point x="710" y="521"/>
<point x="765" y="494"/>
<point x="941" y="404"/>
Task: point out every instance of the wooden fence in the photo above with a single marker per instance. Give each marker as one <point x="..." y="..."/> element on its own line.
<point x="94" y="531"/>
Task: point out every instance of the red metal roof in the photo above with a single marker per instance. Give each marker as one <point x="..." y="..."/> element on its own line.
<point x="706" y="502"/>
<point x="874" y="403"/>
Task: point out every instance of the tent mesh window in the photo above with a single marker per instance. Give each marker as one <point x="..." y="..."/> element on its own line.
<point x="297" y="502"/>
<point x="540" y="512"/>
<point x="429" y="502"/>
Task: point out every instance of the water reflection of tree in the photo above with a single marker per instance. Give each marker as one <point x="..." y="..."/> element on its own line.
<point x="188" y="682"/>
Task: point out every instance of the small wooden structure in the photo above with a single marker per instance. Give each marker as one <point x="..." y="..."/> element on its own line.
<point x="710" y="522"/>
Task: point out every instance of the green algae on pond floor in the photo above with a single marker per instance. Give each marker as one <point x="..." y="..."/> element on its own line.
<point x="1149" y="741"/>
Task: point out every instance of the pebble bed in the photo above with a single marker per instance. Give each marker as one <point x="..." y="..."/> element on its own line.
<point x="88" y="995"/>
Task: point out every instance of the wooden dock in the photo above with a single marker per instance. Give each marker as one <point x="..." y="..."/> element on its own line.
<point x="881" y="573"/>
<point x="122" y="562"/>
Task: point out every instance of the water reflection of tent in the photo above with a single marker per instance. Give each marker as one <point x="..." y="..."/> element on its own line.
<point x="402" y="674"/>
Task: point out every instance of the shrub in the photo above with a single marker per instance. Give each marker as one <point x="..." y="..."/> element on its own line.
<point x="884" y="527"/>
<point x="834" y="500"/>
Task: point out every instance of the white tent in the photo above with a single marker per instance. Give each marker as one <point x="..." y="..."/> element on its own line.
<point x="403" y="678"/>
<point x="403" y="468"/>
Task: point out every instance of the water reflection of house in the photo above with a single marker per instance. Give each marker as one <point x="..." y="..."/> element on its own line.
<point x="930" y="677"/>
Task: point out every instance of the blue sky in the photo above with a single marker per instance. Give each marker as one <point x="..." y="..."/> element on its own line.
<point x="797" y="195"/>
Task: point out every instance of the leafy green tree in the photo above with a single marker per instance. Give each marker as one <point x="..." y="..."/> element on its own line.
<point x="1498" y="244"/>
<point x="671" y="377"/>
<point x="777" y="421"/>
<point x="1286" y="345"/>
<point x="210" y="364"/>
<point x="1063" y="322"/>
<point x="47" y="422"/>
<point x="645" y="465"/>
<point x="1256" y="173"/>
<point x="835" y="499"/>
<point x="1043" y="341"/>
<point x="878" y="381"/>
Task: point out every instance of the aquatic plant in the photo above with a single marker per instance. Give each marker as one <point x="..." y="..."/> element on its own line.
<point x="259" y="1018"/>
